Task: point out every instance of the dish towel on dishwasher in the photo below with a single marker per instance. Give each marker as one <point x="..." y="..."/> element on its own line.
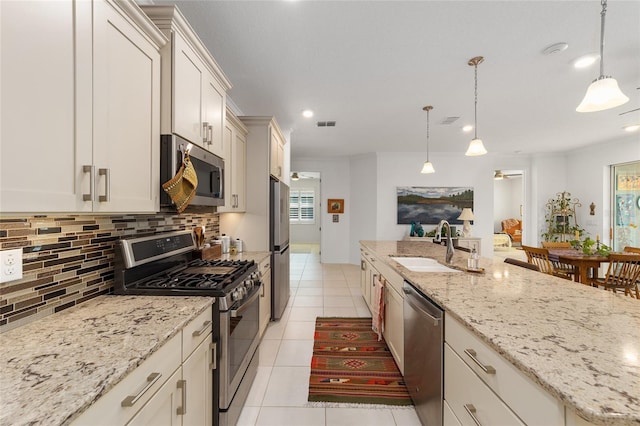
<point x="377" y="320"/>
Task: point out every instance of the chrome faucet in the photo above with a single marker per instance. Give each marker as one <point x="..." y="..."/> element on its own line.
<point x="450" y="250"/>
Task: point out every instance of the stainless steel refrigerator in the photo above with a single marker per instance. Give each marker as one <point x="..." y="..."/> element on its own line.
<point x="279" y="244"/>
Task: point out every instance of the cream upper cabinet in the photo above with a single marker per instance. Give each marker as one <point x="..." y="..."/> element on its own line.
<point x="235" y="172"/>
<point x="276" y="147"/>
<point x="194" y="88"/>
<point x="97" y="107"/>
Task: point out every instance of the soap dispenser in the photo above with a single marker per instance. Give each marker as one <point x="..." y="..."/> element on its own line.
<point x="472" y="262"/>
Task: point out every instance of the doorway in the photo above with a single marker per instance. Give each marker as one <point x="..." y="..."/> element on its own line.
<point x="508" y="204"/>
<point x="305" y="226"/>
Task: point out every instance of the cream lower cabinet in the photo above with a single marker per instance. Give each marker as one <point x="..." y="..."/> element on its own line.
<point x="481" y="387"/>
<point x="194" y="87"/>
<point x="373" y="270"/>
<point x="265" y="296"/>
<point x="92" y="119"/>
<point x="174" y="386"/>
<point x="235" y="171"/>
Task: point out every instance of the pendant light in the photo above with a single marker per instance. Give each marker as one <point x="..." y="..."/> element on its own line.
<point x="476" y="146"/>
<point x="604" y="92"/>
<point x="427" y="167"/>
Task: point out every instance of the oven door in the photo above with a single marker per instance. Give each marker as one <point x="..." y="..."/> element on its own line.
<point x="239" y="340"/>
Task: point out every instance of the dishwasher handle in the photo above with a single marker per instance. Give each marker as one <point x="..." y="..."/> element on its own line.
<point x="411" y="296"/>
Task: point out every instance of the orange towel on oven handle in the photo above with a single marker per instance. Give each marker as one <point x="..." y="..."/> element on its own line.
<point x="377" y="320"/>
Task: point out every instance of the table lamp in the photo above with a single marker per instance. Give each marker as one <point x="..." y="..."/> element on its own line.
<point x="466" y="216"/>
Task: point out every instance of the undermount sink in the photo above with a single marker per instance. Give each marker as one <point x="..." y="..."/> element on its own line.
<point x="423" y="264"/>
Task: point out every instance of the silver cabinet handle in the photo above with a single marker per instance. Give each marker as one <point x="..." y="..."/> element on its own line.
<point x="373" y="280"/>
<point x="181" y="411"/>
<point x="214" y="348"/>
<point x="89" y="196"/>
<point x="471" y="410"/>
<point x="210" y="128"/>
<point x="132" y="399"/>
<point x="204" y="327"/>
<point x="205" y="132"/>
<point x="486" y="368"/>
<point x="107" y="185"/>
<point x="362" y="266"/>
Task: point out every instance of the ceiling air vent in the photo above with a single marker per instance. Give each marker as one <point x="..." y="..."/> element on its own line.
<point x="449" y="120"/>
<point x="326" y="124"/>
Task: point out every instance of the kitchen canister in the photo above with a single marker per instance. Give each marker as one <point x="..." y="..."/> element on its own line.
<point x="226" y="243"/>
<point x="239" y="245"/>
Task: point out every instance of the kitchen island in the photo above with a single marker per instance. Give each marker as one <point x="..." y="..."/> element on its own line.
<point x="580" y="344"/>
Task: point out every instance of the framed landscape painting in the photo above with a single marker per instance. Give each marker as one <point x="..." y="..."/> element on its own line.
<point x="429" y="205"/>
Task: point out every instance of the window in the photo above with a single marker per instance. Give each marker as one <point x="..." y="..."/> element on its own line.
<point x="302" y="206"/>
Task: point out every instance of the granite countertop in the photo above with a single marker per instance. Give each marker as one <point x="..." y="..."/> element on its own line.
<point x="580" y="343"/>
<point x="257" y="256"/>
<point x="54" y="368"/>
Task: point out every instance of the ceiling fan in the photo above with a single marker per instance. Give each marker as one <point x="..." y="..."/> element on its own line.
<point x="304" y="175"/>
<point x="499" y="174"/>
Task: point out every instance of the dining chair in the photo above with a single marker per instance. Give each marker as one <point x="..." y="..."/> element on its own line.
<point x="630" y="249"/>
<point x="540" y="257"/>
<point x="521" y="263"/>
<point x="561" y="267"/>
<point x="623" y="274"/>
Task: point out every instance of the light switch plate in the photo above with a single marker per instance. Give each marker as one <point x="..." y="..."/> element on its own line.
<point x="10" y="265"/>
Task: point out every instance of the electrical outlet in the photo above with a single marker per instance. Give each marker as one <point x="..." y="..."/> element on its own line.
<point x="10" y="265"/>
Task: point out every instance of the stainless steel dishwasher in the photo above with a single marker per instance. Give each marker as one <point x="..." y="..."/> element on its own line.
<point x="423" y="360"/>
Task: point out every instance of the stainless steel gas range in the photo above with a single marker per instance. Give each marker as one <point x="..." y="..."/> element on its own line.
<point x="164" y="265"/>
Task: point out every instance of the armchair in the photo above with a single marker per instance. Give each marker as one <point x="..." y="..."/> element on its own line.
<point x="513" y="227"/>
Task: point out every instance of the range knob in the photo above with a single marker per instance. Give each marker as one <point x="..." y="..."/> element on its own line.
<point x="234" y="295"/>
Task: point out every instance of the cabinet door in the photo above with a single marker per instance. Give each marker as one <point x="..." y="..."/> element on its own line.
<point x="276" y="155"/>
<point x="214" y="113"/>
<point x="126" y="127"/>
<point x="189" y="74"/>
<point x="394" y="324"/>
<point x="239" y="156"/>
<point x="162" y="408"/>
<point x="265" y="300"/>
<point x="229" y="198"/>
<point x="45" y="105"/>
<point x="198" y="381"/>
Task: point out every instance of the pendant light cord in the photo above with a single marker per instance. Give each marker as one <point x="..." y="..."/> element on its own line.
<point x="427" y="136"/>
<point x="475" y="104"/>
<point x="602" y="14"/>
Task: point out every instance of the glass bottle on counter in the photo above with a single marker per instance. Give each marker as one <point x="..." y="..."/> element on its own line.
<point x="472" y="262"/>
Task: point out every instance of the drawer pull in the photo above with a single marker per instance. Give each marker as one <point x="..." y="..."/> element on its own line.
<point x="471" y="410"/>
<point x="132" y="399"/>
<point x="486" y="368"/>
<point x="181" y="411"/>
<point x="204" y="327"/>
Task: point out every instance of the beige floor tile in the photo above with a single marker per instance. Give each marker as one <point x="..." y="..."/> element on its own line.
<point x="341" y="312"/>
<point x="336" y="291"/>
<point x="249" y="416"/>
<point x="305" y="314"/>
<point x="268" y="350"/>
<point x="359" y="416"/>
<point x="299" y="330"/>
<point x="307" y="302"/>
<point x="259" y="387"/>
<point x="310" y="291"/>
<point x="281" y="416"/>
<point x="338" y="302"/>
<point x="405" y="417"/>
<point x="294" y="353"/>
<point x="288" y="387"/>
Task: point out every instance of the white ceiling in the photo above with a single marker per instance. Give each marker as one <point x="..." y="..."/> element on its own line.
<point x="372" y="65"/>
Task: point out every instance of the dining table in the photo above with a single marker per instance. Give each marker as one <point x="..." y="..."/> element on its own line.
<point x="586" y="265"/>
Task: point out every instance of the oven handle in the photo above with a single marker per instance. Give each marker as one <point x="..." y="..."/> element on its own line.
<point x="245" y="305"/>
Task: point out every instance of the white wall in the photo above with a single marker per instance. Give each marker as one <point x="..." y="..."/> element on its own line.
<point x="307" y="233"/>
<point x="589" y="179"/>
<point x="335" y="237"/>
<point x="368" y="185"/>
<point x="364" y="212"/>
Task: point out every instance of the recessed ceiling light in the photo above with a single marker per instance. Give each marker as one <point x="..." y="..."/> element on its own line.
<point x="632" y="127"/>
<point x="467" y="128"/>
<point x="307" y="113"/>
<point x="585" y="61"/>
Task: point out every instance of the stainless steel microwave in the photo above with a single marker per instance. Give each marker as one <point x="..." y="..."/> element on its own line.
<point x="209" y="168"/>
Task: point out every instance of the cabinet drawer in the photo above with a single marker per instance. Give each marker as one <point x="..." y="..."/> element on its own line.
<point x="196" y="331"/>
<point x="265" y="265"/>
<point x="448" y="418"/>
<point x="143" y="382"/>
<point x="533" y="404"/>
<point x="468" y="396"/>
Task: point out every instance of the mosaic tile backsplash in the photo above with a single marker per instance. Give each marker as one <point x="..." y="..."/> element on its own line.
<point x="69" y="259"/>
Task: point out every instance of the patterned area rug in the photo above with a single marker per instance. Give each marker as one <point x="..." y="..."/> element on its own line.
<point x="349" y="365"/>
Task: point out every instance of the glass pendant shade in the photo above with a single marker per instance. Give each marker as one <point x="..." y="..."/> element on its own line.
<point x="476" y="147"/>
<point x="602" y="94"/>
<point x="427" y="168"/>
